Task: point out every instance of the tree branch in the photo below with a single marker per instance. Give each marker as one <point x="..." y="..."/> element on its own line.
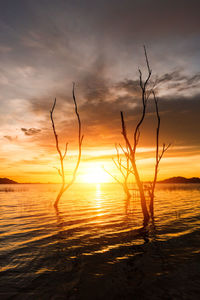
<point x="64" y="186"/>
<point x="80" y="140"/>
<point x="114" y="177"/>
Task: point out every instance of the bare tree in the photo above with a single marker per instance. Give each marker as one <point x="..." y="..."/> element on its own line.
<point x="158" y="157"/>
<point x="61" y="171"/>
<point x="132" y="149"/>
<point x="124" y="168"/>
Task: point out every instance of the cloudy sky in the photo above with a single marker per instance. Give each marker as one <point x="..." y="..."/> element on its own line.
<point x="46" y="45"/>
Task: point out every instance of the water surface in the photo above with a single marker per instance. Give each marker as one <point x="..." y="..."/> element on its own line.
<point x="93" y="246"/>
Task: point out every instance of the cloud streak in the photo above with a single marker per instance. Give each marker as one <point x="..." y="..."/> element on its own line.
<point x="30" y="131"/>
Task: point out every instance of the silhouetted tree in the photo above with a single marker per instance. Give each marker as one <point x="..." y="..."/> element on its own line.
<point x="158" y="157"/>
<point x="124" y="168"/>
<point x="132" y="149"/>
<point x="61" y="171"/>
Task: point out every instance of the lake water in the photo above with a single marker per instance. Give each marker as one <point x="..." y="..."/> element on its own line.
<point x="94" y="247"/>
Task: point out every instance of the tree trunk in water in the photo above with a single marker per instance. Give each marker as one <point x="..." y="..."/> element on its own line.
<point x="142" y="196"/>
<point x="59" y="196"/>
<point x="144" y="206"/>
<point x="126" y="190"/>
<point x="151" y="206"/>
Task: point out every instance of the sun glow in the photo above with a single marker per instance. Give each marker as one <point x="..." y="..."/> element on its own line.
<point x="95" y="174"/>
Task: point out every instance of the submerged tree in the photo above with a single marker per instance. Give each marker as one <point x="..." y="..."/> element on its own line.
<point x="125" y="169"/>
<point x="158" y="157"/>
<point x="61" y="171"/>
<point x="145" y="94"/>
<point x="132" y="148"/>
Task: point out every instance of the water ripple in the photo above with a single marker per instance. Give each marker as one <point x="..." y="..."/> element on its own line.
<point x="39" y="244"/>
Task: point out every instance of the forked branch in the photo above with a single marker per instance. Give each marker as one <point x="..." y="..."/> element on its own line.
<point x="61" y="172"/>
<point x="80" y="140"/>
<point x="145" y="96"/>
<point x="124" y="168"/>
<point x="158" y="156"/>
<point x="136" y="136"/>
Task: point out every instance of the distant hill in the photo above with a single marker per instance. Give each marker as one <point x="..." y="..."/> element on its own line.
<point x="7" y="181"/>
<point x="180" y="179"/>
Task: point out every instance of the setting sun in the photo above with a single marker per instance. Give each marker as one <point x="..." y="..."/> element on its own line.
<point x="95" y="174"/>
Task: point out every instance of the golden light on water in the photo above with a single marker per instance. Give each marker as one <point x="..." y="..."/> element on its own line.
<point x="98" y="197"/>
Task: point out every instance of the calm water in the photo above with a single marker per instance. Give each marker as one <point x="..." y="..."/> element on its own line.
<point x="94" y="241"/>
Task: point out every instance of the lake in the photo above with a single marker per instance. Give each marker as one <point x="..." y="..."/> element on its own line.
<point x="94" y="246"/>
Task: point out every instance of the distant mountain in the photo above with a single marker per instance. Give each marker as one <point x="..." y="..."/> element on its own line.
<point x="7" y="181"/>
<point x="180" y="179"/>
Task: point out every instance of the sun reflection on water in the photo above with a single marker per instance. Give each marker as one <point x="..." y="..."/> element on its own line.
<point x="93" y="227"/>
<point x="98" y="197"/>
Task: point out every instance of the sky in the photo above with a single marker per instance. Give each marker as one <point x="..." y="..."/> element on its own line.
<point x="46" y="45"/>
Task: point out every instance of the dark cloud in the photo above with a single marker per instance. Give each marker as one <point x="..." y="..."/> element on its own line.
<point x="130" y="86"/>
<point x="10" y="138"/>
<point x="30" y="131"/>
<point x="178" y="76"/>
<point x="194" y="79"/>
<point x="94" y="84"/>
<point x="147" y="17"/>
<point x="178" y="80"/>
<point x="179" y="120"/>
<point x="173" y="76"/>
<point x="101" y="106"/>
<point x="45" y="33"/>
<point x="135" y="15"/>
<point x="46" y="44"/>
